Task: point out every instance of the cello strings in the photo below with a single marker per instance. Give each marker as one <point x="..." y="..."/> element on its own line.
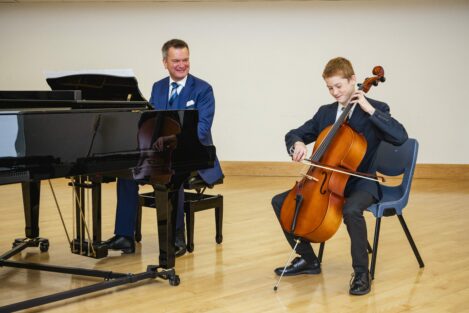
<point x="331" y="134"/>
<point x="316" y="155"/>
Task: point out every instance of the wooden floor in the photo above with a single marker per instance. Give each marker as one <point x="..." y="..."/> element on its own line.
<point x="237" y="276"/>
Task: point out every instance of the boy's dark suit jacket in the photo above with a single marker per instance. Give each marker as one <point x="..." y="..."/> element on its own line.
<point x="376" y="128"/>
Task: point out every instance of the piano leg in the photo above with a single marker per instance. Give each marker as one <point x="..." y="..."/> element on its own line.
<point x="166" y="217"/>
<point x="31" y="196"/>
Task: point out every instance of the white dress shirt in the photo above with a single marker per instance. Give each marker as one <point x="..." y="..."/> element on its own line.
<point x="341" y="108"/>
<point x="181" y="84"/>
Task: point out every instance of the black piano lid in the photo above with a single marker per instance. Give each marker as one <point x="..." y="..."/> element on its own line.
<point x="111" y="85"/>
<point x="40" y="95"/>
<point x="111" y="89"/>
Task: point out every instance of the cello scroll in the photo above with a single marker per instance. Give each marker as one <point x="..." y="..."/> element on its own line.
<point x="378" y="71"/>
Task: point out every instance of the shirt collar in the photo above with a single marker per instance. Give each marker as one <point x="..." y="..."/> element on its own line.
<point x="340" y="108"/>
<point x="181" y="82"/>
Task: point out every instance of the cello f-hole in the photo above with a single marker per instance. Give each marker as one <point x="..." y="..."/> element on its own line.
<point x="321" y="190"/>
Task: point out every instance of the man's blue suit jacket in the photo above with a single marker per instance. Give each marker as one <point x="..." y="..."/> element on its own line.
<point x="196" y="95"/>
<point x="376" y="128"/>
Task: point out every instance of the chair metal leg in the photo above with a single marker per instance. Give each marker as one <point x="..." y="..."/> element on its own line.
<point x="321" y="251"/>
<point x="411" y="241"/>
<point x="375" y="248"/>
<point x="219" y="224"/>
<point x="369" y="247"/>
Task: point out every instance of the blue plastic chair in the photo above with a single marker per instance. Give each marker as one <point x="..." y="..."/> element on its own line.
<point x="393" y="161"/>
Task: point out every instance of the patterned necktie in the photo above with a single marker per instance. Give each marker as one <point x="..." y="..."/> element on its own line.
<point x="173" y="94"/>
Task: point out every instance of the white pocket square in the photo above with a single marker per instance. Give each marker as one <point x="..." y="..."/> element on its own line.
<point x="189" y="103"/>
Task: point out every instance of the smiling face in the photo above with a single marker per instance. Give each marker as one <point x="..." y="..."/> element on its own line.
<point x="341" y="88"/>
<point x="177" y="63"/>
<point x="340" y="79"/>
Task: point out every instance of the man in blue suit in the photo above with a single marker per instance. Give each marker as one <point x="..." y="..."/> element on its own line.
<point x="179" y="91"/>
<point x="368" y="117"/>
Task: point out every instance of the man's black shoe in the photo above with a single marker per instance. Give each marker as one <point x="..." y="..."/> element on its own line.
<point x="300" y="266"/>
<point x="126" y="244"/>
<point x="180" y="243"/>
<point x="360" y="284"/>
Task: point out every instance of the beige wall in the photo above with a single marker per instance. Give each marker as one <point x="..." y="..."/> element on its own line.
<point x="264" y="60"/>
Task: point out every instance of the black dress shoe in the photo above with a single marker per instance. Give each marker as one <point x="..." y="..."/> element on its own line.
<point x="300" y="266"/>
<point x="360" y="284"/>
<point x="126" y="244"/>
<point x="180" y="244"/>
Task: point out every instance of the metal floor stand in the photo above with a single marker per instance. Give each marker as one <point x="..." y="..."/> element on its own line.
<point x="110" y="279"/>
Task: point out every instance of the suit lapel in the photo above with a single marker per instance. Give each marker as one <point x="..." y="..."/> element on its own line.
<point x="162" y="96"/>
<point x="185" y="93"/>
<point x="358" y="119"/>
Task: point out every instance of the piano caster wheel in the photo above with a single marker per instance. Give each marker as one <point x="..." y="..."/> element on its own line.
<point x="174" y="280"/>
<point x="219" y="239"/>
<point x="44" y="246"/>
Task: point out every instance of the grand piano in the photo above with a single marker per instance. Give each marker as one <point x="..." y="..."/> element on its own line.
<point x="93" y="128"/>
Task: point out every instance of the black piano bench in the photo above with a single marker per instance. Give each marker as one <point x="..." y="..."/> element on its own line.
<point x="194" y="201"/>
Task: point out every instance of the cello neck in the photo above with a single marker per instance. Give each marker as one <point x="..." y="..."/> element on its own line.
<point x="317" y="155"/>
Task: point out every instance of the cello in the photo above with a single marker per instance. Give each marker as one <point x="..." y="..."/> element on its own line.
<point x="312" y="209"/>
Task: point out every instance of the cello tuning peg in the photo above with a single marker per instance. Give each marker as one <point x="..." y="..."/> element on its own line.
<point x="382" y="79"/>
